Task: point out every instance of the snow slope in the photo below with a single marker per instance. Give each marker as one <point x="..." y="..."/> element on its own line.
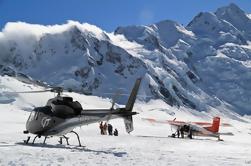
<point x="148" y="144"/>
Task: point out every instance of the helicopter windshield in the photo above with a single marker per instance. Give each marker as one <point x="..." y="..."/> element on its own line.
<point x="33" y="116"/>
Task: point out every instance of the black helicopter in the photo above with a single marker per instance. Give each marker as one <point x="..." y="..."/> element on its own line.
<point x="61" y="115"/>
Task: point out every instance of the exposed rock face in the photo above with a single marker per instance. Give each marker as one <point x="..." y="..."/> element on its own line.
<point x="205" y="65"/>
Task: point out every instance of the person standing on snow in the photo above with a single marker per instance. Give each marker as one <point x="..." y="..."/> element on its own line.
<point x="105" y="128"/>
<point x="182" y="131"/>
<point x="178" y="132"/>
<point x="101" y="127"/>
<point x="109" y="129"/>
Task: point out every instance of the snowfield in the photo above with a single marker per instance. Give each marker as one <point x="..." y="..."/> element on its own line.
<point x="148" y="144"/>
<point x="191" y="73"/>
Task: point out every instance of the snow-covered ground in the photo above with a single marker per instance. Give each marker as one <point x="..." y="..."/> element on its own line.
<point x="148" y="144"/>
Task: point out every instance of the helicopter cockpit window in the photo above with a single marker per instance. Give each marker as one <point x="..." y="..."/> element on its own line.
<point x="32" y="116"/>
<point x="36" y="115"/>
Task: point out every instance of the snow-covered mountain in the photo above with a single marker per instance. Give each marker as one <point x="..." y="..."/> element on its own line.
<point x="148" y="144"/>
<point x="205" y="66"/>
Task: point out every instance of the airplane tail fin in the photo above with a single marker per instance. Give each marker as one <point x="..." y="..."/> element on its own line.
<point x="129" y="106"/>
<point x="215" y="125"/>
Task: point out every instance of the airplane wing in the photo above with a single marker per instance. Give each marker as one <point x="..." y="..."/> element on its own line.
<point x="175" y="122"/>
<point x="209" y="124"/>
<point x="180" y="123"/>
<point x="171" y="122"/>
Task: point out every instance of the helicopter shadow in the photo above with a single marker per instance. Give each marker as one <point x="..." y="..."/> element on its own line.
<point x="73" y="148"/>
<point x="110" y="151"/>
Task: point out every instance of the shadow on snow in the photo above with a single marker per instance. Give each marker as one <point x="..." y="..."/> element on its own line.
<point x="75" y="148"/>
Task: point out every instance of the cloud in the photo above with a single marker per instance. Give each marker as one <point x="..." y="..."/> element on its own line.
<point x="24" y="36"/>
<point x="14" y="30"/>
<point x="146" y="16"/>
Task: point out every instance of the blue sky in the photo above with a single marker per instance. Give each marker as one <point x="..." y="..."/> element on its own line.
<point x="108" y="14"/>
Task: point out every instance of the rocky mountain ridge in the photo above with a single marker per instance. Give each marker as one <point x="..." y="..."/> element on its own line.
<point x="204" y="66"/>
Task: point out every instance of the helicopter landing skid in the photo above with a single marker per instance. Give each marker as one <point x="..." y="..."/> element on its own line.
<point x="28" y="139"/>
<point x="77" y="137"/>
<point x="45" y="139"/>
<point x="35" y="138"/>
<point x="61" y="140"/>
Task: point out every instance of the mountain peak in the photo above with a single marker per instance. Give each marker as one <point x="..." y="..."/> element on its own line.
<point x="233" y="6"/>
<point x="205" y="23"/>
<point x="232" y="10"/>
<point x="167" y="23"/>
<point x="235" y="16"/>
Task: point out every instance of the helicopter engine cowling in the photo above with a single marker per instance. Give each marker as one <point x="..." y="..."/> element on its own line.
<point x="65" y="108"/>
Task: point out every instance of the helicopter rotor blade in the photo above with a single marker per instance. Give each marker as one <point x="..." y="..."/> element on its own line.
<point x="122" y="94"/>
<point x="51" y="89"/>
<point x="38" y="91"/>
<point x="115" y="96"/>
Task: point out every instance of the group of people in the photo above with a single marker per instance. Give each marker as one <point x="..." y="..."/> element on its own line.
<point x="183" y="129"/>
<point x="107" y="127"/>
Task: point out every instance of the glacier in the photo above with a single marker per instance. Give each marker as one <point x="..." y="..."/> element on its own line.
<point x="204" y="66"/>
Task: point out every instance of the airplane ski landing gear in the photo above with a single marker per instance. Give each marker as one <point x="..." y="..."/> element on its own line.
<point x="219" y="139"/>
<point x="77" y="137"/>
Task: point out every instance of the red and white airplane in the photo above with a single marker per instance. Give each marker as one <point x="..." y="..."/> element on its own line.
<point x="194" y="128"/>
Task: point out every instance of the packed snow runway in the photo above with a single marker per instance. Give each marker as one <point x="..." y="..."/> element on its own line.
<point x="140" y="148"/>
<point x="148" y="144"/>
